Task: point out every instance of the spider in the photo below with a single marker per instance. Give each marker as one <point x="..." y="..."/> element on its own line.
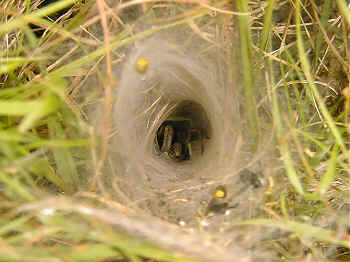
<point x="175" y="135"/>
<point x="251" y="178"/>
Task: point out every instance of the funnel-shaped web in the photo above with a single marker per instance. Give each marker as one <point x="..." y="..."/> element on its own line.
<point x="175" y="84"/>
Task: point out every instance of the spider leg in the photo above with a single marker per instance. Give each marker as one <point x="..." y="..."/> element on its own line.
<point x="160" y="130"/>
<point x="175" y="151"/>
<point x="168" y="138"/>
<point x="202" y="140"/>
<point x="189" y="147"/>
<point x="200" y="136"/>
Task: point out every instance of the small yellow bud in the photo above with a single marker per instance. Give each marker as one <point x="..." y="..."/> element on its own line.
<point x="220" y="192"/>
<point x="142" y="65"/>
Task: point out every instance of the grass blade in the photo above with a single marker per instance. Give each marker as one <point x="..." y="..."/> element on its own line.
<point x="43" y="108"/>
<point x="344" y="10"/>
<point x="17" y="108"/>
<point x="66" y="167"/>
<point x="15" y="224"/>
<point x="249" y="89"/>
<point x="15" y="188"/>
<point x="267" y="24"/>
<point x="328" y="177"/>
<point x="326" y="10"/>
<point x="92" y="252"/>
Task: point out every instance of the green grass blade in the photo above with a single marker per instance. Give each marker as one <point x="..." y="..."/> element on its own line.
<point x="43" y="108"/>
<point x="78" y="19"/>
<point x="10" y="135"/>
<point x="8" y="64"/>
<point x="9" y="67"/>
<point x="42" y="168"/>
<point x="18" y="108"/>
<point x="59" y="143"/>
<point x="291" y="172"/>
<point x="283" y="205"/>
<point x="267" y="25"/>
<point x="328" y="177"/>
<point x="92" y="252"/>
<point x="14" y="224"/>
<point x="249" y="89"/>
<point x="66" y="167"/>
<point x="15" y="188"/>
<point x="344" y="9"/>
<point x="326" y="10"/>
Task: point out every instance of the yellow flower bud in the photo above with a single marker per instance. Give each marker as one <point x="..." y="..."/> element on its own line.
<point x="220" y="192"/>
<point x="142" y="65"/>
